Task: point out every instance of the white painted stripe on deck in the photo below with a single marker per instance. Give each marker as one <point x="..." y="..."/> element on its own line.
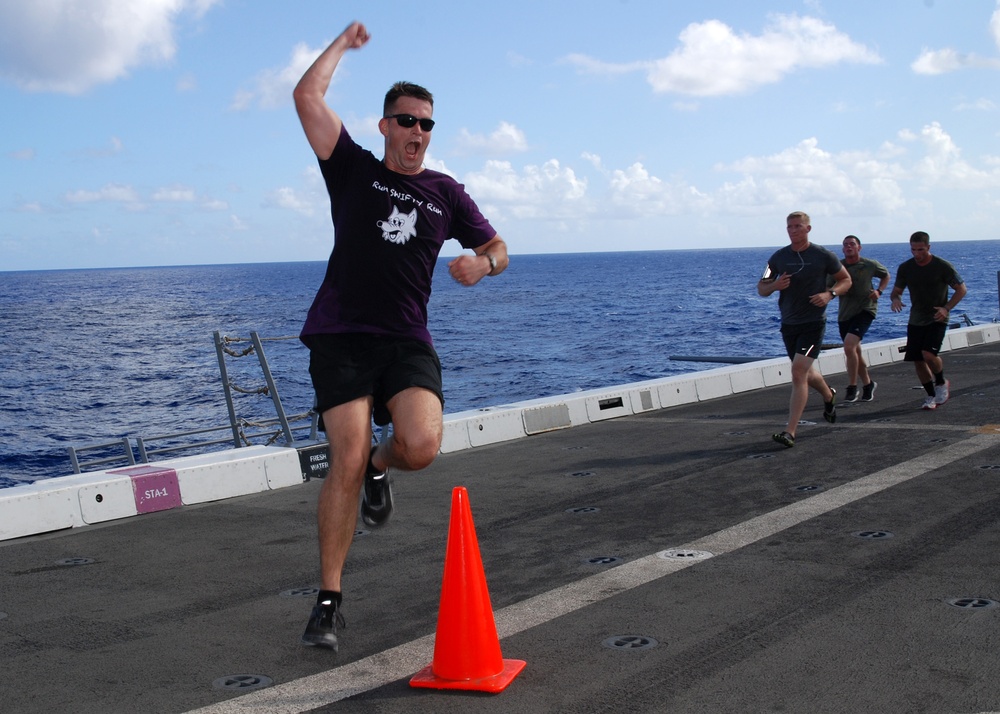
<point x="405" y="660"/>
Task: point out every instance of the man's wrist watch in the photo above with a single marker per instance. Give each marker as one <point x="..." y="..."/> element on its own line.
<point x="833" y="292"/>
<point x="493" y="262"/>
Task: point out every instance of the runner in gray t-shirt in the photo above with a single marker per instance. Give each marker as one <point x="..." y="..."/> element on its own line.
<point x="799" y="271"/>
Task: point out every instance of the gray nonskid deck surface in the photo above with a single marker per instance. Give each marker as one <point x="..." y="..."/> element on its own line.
<point x="835" y="572"/>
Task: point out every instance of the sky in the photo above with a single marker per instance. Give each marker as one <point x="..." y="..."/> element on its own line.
<point x="162" y="132"/>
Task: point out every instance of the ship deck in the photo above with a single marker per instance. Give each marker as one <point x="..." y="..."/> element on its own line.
<point x="671" y="561"/>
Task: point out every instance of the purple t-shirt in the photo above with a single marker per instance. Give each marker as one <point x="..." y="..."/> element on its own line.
<point x="389" y="229"/>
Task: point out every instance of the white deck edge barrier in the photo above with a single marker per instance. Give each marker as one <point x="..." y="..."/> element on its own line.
<point x="83" y="499"/>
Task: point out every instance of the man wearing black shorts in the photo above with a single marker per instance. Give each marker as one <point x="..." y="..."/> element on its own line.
<point x="799" y="271"/>
<point x="371" y="354"/>
<point x="856" y="311"/>
<point x="928" y="278"/>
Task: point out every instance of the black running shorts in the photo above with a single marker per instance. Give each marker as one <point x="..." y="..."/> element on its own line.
<point x="350" y="366"/>
<point x="923" y="338"/>
<point x="805" y="339"/>
<point x="857" y="325"/>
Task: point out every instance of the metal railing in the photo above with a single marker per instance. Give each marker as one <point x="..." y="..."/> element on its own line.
<point x="127" y="457"/>
<point x="242" y="431"/>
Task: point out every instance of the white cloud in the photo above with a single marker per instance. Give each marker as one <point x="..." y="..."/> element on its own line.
<point x="184" y="194"/>
<point x="435" y="164"/>
<point x="851" y="182"/>
<point x="995" y="25"/>
<point x="713" y="60"/>
<point x="589" y="65"/>
<point x="273" y="87"/>
<point x="983" y="104"/>
<point x="543" y="192"/>
<point x="113" y="148"/>
<point x="934" y="62"/>
<point x="22" y="154"/>
<point x="634" y="191"/>
<point x="880" y="182"/>
<point x="888" y="150"/>
<point x="856" y="182"/>
<point x="944" y="167"/>
<point x="593" y="159"/>
<point x="115" y="193"/>
<point x="366" y="126"/>
<point x="516" y="59"/>
<point x="308" y="199"/>
<point x="70" y="46"/>
<point x="175" y="194"/>
<point x="505" y="139"/>
<point x="187" y="83"/>
<point x="938" y="62"/>
<point x="287" y="198"/>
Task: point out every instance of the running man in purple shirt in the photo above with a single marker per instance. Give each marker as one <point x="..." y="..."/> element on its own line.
<point x="370" y="352"/>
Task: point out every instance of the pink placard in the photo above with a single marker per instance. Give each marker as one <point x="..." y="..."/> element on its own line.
<point x="155" y="488"/>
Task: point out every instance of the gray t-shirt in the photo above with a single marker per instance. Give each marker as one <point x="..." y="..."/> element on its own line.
<point x="928" y="286"/>
<point x="808" y="269"/>
<point x="857" y="300"/>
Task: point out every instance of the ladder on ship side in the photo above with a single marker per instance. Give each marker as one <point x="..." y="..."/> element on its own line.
<point x="242" y="431"/>
<point x="274" y="428"/>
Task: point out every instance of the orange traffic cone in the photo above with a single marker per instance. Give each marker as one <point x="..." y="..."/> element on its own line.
<point x="466" y="646"/>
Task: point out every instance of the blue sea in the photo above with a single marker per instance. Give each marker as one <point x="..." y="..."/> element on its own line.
<point x="89" y="356"/>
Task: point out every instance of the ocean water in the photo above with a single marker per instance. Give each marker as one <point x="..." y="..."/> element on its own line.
<point x="90" y="356"/>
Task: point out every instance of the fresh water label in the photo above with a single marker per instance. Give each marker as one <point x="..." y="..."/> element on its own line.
<point x="315" y="461"/>
<point x="155" y="488"/>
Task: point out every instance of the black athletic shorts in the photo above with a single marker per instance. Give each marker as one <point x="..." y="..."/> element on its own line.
<point x="805" y="339"/>
<point x="350" y="366"/>
<point x="857" y="325"/>
<point x="923" y="338"/>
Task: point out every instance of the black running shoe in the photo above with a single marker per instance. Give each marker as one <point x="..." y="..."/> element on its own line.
<point x="376" y="501"/>
<point x="852" y="393"/>
<point x="868" y="392"/>
<point x="321" y="630"/>
<point x="830" y="407"/>
<point x="785" y="439"/>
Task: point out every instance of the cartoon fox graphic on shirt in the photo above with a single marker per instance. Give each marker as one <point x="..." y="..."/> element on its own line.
<point x="400" y="227"/>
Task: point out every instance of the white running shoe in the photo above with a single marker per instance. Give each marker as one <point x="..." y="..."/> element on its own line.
<point x="941" y="392"/>
<point x="929" y="404"/>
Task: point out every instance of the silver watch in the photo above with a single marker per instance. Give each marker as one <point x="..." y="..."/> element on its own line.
<point x="493" y="261"/>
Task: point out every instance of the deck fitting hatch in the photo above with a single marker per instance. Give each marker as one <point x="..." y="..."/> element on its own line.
<point x="873" y="535"/>
<point x="684" y="554"/>
<point x="973" y="603"/>
<point x="301" y="592"/>
<point x="630" y="642"/>
<point x="75" y="561"/>
<point x="243" y="682"/>
<point x="603" y="560"/>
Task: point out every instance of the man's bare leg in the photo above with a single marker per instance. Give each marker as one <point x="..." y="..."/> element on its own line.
<point x="348" y="428"/>
<point x="417" y="429"/>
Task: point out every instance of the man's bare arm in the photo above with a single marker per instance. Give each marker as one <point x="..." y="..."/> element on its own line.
<point x="320" y="123"/>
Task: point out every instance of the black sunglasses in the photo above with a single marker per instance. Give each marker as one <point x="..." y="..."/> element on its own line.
<point x="408" y="120"/>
